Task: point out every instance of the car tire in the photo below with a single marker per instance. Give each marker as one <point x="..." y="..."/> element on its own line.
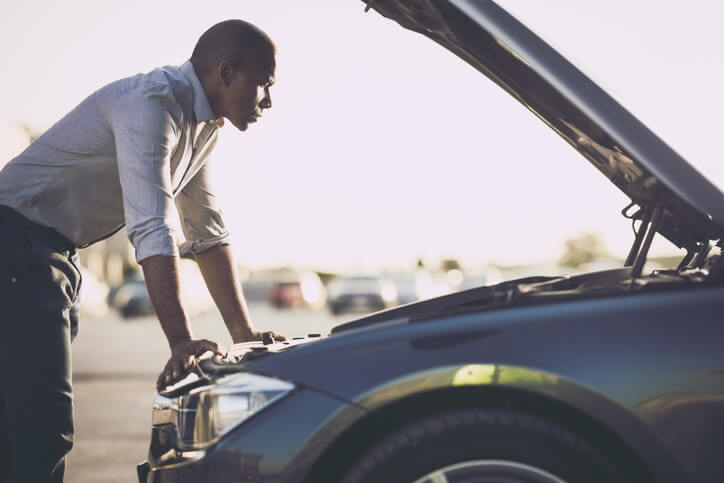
<point x="481" y="446"/>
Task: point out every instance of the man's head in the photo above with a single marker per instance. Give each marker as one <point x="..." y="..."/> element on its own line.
<point x="235" y="62"/>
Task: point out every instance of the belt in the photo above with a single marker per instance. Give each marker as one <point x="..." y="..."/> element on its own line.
<point x="50" y="236"/>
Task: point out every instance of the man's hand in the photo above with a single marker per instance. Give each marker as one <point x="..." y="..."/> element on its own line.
<point x="258" y="335"/>
<point x="183" y="355"/>
<point x="217" y="267"/>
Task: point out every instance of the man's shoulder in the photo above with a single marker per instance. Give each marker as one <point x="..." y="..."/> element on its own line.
<point x="163" y="88"/>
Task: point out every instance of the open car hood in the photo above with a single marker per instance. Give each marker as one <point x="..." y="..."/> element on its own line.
<point x="619" y="145"/>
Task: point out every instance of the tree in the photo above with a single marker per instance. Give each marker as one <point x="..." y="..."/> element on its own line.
<point x="583" y="249"/>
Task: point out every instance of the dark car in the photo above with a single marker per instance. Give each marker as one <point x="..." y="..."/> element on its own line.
<point x="360" y="293"/>
<point x="610" y="376"/>
<point x="132" y="299"/>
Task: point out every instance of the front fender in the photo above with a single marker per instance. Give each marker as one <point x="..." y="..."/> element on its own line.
<point x="633" y="432"/>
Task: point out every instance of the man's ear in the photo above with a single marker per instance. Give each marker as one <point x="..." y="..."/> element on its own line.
<point x="226" y="72"/>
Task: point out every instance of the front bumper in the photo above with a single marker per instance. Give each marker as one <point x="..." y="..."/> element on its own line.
<point x="279" y="444"/>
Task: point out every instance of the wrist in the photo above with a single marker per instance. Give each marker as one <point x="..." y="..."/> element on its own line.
<point x="242" y="334"/>
<point x="174" y="342"/>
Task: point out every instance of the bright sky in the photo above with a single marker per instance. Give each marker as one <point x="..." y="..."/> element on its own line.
<point x="381" y="146"/>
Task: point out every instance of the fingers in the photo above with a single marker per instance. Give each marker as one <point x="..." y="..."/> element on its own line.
<point x="195" y="348"/>
<point x="279" y="337"/>
<point x="207" y="345"/>
<point x="188" y="363"/>
<point x="183" y="358"/>
<point x="160" y="382"/>
<point x="184" y="354"/>
<point x="177" y="368"/>
<point x="259" y="335"/>
<point x="164" y="379"/>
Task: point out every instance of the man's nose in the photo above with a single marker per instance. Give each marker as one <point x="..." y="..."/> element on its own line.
<point x="266" y="102"/>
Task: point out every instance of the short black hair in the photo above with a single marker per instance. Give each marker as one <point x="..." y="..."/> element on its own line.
<point x="237" y="41"/>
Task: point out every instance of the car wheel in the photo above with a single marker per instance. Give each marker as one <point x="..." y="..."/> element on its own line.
<point x="483" y="446"/>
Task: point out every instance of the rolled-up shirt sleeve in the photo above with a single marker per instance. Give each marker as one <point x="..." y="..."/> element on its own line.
<point x="201" y="219"/>
<point x="146" y="135"/>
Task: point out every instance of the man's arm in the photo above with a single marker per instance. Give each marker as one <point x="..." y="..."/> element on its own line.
<point x="161" y="274"/>
<point x="146" y="135"/>
<point x="219" y="272"/>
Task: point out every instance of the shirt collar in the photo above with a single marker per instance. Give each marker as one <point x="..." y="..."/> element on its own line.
<point x="202" y="108"/>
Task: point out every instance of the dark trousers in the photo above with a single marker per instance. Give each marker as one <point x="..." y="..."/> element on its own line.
<point x="39" y="287"/>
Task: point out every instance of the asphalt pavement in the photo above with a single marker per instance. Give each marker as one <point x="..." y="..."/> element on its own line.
<point x="115" y="365"/>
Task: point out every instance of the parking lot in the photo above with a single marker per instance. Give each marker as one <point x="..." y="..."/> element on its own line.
<point x="115" y="365"/>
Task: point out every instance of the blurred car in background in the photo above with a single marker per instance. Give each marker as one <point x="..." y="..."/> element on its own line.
<point x="131" y="299"/>
<point x="257" y="284"/>
<point x="296" y="289"/>
<point x="412" y="286"/>
<point x="360" y="293"/>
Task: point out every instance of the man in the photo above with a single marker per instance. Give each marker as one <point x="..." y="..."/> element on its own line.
<point x="124" y="155"/>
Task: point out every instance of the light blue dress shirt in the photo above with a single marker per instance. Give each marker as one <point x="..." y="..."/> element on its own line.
<point x="125" y="155"/>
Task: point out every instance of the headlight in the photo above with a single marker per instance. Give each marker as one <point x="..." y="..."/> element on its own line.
<point x="206" y="413"/>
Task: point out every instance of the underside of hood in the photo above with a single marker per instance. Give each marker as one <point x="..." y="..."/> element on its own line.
<point x="638" y="162"/>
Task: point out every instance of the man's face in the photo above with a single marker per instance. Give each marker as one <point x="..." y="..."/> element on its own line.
<point x="245" y="95"/>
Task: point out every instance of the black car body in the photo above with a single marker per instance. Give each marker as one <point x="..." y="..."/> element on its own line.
<point x="608" y="376"/>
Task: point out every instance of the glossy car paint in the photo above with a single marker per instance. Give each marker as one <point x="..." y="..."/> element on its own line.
<point x="646" y="366"/>
<point x="638" y="373"/>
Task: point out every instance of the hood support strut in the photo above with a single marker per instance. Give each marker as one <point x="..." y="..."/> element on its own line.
<point x="639" y="235"/>
<point x="644" y="237"/>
